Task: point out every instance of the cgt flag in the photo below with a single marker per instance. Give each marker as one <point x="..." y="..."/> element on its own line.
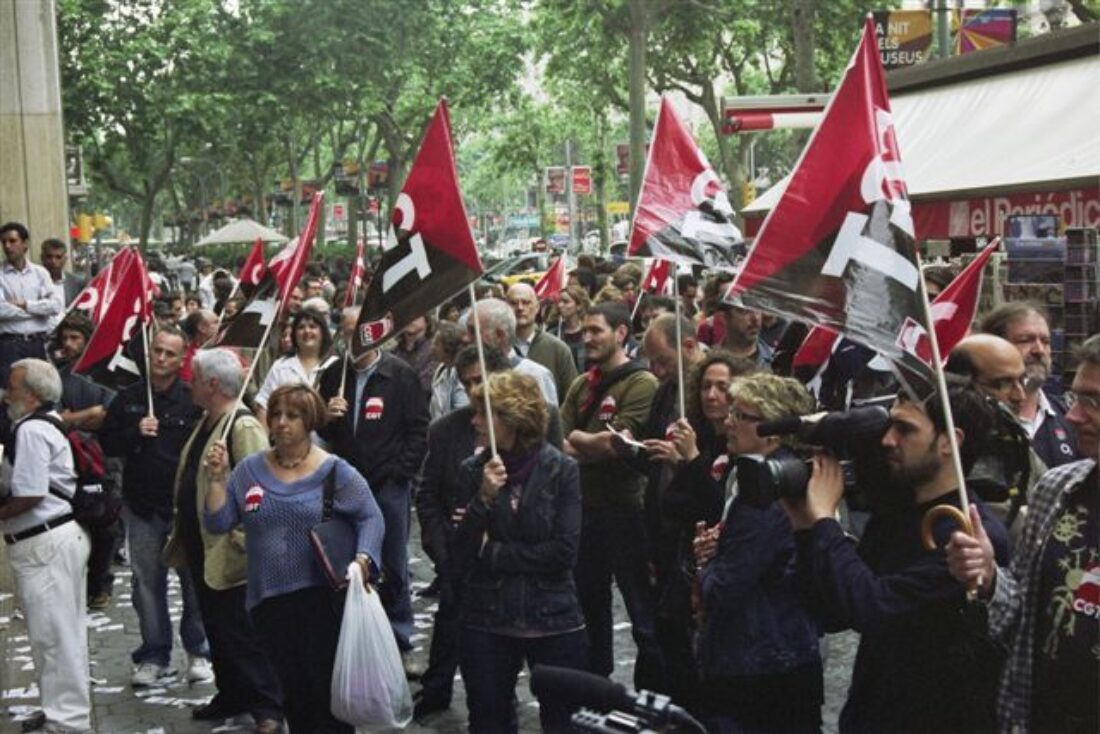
<point x="657" y="278"/>
<point x="683" y="212"/>
<point x="253" y="270"/>
<point x="429" y="255"/>
<point x="106" y="359"/>
<point x="552" y="282"/>
<point x="830" y="363"/>
<point x="838" y="248"/>
<point x="96" y="297"/>
<point x="247" y="329"/>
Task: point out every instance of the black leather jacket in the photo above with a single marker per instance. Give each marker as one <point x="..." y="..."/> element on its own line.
<point x="521" y="577"/>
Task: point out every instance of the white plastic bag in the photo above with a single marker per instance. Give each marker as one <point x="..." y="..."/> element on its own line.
<point x="368" y="679"/>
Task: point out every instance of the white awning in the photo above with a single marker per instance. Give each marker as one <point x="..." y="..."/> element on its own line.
<point x="1017" y="131"/>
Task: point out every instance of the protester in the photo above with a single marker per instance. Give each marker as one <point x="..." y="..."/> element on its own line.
<point x="498" y="329"/>
<point x="277" y="496"/>
<point x="615" y="392"/>
<point x="447" y="391"/>
<point x="441" y="495"/>
<point x="742" y="337"/>
<point x="150" y="439"/>
<point x="922" y="664"/>
<point x="572" y="306"/>
<point x="243" y="674"/>
<point x="47" y="550"/>
<point x="1043" y="607"/>
<point x="311" y="344"/>
<point x="379" y="425"/>
<point x="199" y="327"/>
<point x="414" y="345"/>
<point x="517" y="546"/>
<point x="67" y="285"/>
<point x="1025" y="325"/>
<point x="28" y="301"/>
<point x="758" y="653"/>
<point x="535" y="343"/>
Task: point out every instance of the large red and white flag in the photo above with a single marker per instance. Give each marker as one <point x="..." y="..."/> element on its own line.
<point x="355" y="279"/>
<point x="429" y="255"/>
<point x="552" y="282"/>
<point x="953" y="313"/>
<point x="97" y="295"/>
<point x="838" y="249"/>
<point x="683" y="212"/>
<point x="252" y="272"/>
<point x="108" y="359"/>
<point x="247" y="328"/>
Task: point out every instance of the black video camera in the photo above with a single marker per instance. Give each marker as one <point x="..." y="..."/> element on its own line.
<point x="852" y="436"/>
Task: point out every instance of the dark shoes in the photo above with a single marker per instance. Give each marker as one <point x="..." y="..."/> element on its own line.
<point x="268" y="726"/>
<point x="426" y="704"/>
<point x="34" y="722"/>
<point x="216" y="710"/>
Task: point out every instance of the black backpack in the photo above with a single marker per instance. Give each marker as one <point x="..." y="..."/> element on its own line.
<point x="94" y="503"/>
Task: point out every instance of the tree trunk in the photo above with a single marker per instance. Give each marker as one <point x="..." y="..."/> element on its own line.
<point x="639" y="35"/>
<point x="148" y="204"/>
<point x="599" y="180"/>
<point x="805" y="44"/>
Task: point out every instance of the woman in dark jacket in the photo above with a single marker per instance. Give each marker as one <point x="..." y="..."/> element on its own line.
<point x="517" y="545"/>
<point x="758" y="645"/>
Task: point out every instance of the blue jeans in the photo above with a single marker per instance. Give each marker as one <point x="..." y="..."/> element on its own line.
<point x="395" y="501"/>
<point x="490" y="667"/>
<point x="149" y="587"/>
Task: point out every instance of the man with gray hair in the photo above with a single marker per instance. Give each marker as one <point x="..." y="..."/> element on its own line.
<point x="498" y="329"/>
<point x="36" y="519"/>
<point x="244" y="676"/>
<point x="535" y="343"/>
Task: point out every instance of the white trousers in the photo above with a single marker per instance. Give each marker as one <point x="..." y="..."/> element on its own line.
<point x="50" y="571"/>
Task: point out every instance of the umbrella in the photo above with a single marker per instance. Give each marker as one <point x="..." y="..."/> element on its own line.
<point x="241" y="230"/>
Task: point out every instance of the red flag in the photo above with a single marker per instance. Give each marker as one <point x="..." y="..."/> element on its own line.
<point x="355" y="279"/>
<point x="289" y="263"/>
<point x="838" y="249"/>
<point x="553" y="281"/>
<point x="952" y="312"/>
<point x="105" y="359"/>
<point x="429" y="255"/>
<point x="97" y="295"/>
<point x="252" y="272"/>
<point x="683" y="212"/>
<point x="657" y="277"/>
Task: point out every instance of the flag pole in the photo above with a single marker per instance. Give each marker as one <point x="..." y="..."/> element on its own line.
<point x="941" y="385"/>
<point x="252" y="365"/>
<point x="484" y="371"/>
<point x="675" y="267"/>
<point x="347" y="347"/>
<point x="232" y="294"/>
<point x="148" y="376"/>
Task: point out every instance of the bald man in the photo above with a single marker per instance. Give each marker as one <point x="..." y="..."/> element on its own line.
<point x="994" y="365"/>
<point x="535" y="343"/>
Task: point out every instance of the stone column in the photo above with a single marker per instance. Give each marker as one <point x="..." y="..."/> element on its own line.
<point x="32" y="143"/>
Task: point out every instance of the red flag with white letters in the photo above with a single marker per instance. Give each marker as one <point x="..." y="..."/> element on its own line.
<point x="552" y="282"/>
<point x="97" y="295"/>
<point x="290" y="262"/>
<point x="683" y="212"/>
<point x="838" y="249"/>
<point x="107" y="358"/>
<point x="429" y="255"/>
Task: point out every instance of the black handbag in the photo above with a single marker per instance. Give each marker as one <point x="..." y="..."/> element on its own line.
<point x="333" y="539"/>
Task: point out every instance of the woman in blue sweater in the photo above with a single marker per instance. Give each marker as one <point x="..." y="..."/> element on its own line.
<point x="277" y="496"/>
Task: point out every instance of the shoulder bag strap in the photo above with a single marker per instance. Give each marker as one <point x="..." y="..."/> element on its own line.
<point x="329" y="496"/>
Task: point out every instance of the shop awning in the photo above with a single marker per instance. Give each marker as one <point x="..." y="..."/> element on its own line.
<point x="980" y="150"/>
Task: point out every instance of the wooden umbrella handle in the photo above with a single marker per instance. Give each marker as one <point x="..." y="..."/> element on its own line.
<point x="953" y="513"/>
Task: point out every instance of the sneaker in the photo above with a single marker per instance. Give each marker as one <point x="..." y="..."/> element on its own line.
<point x="149" y="674"/>
<point x="99" y="602"/>
<point x="199" y="669"/>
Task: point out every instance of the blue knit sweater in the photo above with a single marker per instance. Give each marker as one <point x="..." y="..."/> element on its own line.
<point x="277" y="517"/>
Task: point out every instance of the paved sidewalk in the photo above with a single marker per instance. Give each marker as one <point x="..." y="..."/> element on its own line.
<point x="121" y="709"/>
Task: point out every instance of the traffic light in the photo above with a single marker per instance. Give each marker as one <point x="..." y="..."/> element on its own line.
<point x="84" y="226"/>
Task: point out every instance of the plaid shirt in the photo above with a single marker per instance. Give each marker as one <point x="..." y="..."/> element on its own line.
<point x="1014" y="608"/>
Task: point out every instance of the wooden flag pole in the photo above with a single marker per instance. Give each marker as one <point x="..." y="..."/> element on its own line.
<point x="484" y="371"/>
<point x="674" y="274"/>
<point x="148" y="375"/>
<point x="232" y="294"/>
<point x="347" y="347"/>
<point x="252" y="365"/>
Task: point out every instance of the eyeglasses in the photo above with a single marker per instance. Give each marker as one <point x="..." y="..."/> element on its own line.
<point x="1004" y="384"/>
<point x="1087" y="401"/>
<point x="741" y="417"/>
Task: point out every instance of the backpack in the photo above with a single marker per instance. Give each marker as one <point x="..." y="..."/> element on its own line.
<point x="94" y="503"/>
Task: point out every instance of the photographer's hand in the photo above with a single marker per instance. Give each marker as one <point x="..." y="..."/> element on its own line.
<point x="825" y="489"/>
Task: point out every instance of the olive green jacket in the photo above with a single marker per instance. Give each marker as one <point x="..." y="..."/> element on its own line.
<point x="225" y="564"/>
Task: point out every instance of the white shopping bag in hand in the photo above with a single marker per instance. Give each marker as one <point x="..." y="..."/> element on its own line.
<point x="368" y="680"/>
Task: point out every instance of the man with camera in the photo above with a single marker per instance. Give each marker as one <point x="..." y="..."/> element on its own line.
<point x="922" y="662"/>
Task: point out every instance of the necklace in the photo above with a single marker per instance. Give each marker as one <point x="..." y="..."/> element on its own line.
<point x="295" y="462"/>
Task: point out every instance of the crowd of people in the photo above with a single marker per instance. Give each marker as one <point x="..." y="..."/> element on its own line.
<point x="597" y="467"/>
